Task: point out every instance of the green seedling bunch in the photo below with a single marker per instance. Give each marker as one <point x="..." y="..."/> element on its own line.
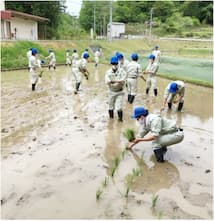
<point x="154" y="201"/>
<point x="129" y="134"/>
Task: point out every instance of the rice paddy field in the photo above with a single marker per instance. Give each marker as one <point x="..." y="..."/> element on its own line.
<point x="63" y="158"/>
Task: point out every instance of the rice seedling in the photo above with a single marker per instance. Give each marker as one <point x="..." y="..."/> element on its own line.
<point x="127" y="192"/>
<point x="136" y="172"/>
<point x="98" y="194"/>
<point x="105" y="182"/>
<point x="116" y="164"/>
<point x="154" y="201"/>
<point x="160" y="214"/>
<point x="123" y="153"/>
<point x="113" y="170"/>
<point x="116" y="161"/>
<point x="129" y="134"/>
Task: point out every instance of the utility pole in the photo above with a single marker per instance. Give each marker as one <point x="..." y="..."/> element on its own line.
<point x="150" y="26"/>
<point x="110" y="33"/>
<point x="104" y="25"/>
<point x="94" y="20"/>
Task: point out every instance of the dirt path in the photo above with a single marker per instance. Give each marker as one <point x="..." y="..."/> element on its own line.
<point x="57" y="150"/>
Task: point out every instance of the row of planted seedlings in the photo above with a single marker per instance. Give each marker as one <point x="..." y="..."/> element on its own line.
<point x="129" y="134"/>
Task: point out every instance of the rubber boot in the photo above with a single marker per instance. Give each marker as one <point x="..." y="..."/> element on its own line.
<point x="129" y="97"/>
<point x="159" y="155"/>
<point x="155" y="92"/>
<point x="120" y="116"/>
<point x="132" y="99"/>
<point x="164" y="150"/>
<point x="111" y="113"/>
<point x="180" y="106"/>
<point x="33" y="87"/>
<point x="147" y="90"/>
<point x="169" y="105"/>
<point x="77" y="86"/>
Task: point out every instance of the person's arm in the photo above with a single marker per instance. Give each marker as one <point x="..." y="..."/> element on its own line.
<point x="137" y="140"/>
<point x="166" y="95"/>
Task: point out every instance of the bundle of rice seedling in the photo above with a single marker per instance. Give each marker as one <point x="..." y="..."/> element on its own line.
<point x="129" y="134"/>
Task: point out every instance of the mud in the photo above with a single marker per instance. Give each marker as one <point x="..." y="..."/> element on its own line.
<point x="58" y="148"/>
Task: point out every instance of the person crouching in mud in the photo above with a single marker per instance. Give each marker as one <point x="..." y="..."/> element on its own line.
<point x="163" y="132"/>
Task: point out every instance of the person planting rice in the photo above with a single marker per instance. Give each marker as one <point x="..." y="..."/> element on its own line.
<point x="174" y="88"/>
<point x="156" y="52"/>
<point x="163" y="132"/>
<point x="29" y="54"/>
<point x="79" y="68"/>
<point x="151" y="70"/>
<point x="115" y="79"/>
<point x="34" y="63"/>
<point x="134" y="71"/>
<point x="97" y="55"/>
<point x="52" y="59"/>
<point x="67" y="58"/>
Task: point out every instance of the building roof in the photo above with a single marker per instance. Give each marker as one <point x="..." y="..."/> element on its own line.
<point x="8" y="14"/>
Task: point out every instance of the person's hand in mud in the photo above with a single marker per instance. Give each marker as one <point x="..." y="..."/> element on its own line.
<point x="132" y="143"/>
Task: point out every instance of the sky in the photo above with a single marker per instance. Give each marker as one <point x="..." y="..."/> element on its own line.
<point x="73" y="7"/>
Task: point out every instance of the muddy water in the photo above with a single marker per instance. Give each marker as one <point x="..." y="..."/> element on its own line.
<point x="57" y="150"/>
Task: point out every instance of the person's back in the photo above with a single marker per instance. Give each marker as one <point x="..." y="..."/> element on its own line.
<point x="74" y="58"/>
<point x="133" y="69"/>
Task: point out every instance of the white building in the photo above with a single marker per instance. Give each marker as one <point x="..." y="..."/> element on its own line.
<point x="117" y="29"/>
<point x="19" y="25"/>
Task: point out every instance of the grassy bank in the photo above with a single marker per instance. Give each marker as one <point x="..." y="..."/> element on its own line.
<point x="14" y="54"/>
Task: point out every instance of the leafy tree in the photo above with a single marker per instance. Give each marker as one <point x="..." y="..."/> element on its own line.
<point x="86" y="17"/>
<point x="47" y="9"/>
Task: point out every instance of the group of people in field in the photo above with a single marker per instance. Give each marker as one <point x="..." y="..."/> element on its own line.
<point x="125" y="74"/>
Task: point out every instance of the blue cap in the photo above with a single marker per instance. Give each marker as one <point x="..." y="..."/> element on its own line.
<point x="117" y="53"/>
<point x="151" y="56"/>
<point x="34" y="51"/>
<point x="85" y="55"/>
<point x="156" y="46"/>
<point x="114" y="60"/>
<point x="134" y="56"/>
<point x="119" y="56"/>
<point x="173" y="87"/>
<point x="139" y="111"/>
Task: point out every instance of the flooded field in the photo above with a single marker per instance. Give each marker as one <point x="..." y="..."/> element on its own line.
<point x="59" y="149"/>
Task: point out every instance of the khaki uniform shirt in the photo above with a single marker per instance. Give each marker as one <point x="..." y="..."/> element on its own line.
<point x="153" y="68"/>
<point x="119" y="75"/>
<point x="180" y="91"/>
<point x="133" y="69"/>
<point x="157" y="125"/>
